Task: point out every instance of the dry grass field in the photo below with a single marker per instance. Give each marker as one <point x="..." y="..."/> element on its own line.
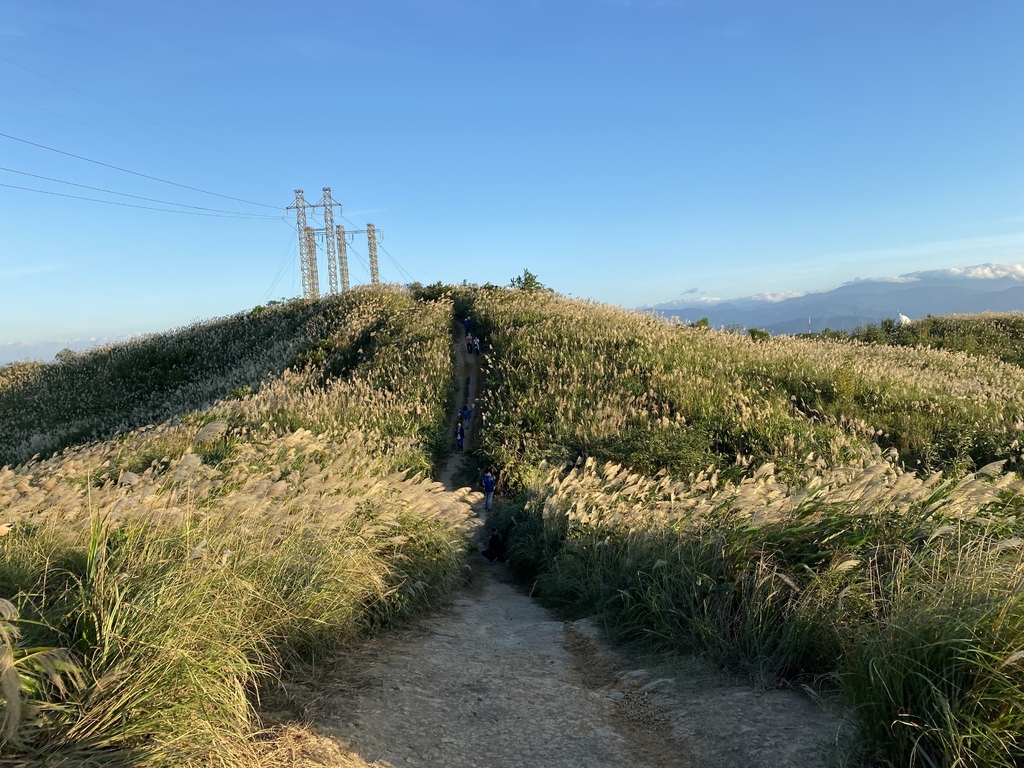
<point x="812" y="512"/>
<point x="192" y="514"/>
<point x="152" y="581"/>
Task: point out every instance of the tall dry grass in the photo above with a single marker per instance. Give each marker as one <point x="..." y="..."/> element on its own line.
<point x="809" y="511"/>
<point x="990" y="334"/>
<point x="154" y="581"/>
<point x="569" y="378"/>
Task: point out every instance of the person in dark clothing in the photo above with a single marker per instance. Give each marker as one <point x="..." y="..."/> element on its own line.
<point x="460" y="436"/>
<point x="466" y="324"/>
<point x="495" y="547"/>
<point x="489" y="483"/>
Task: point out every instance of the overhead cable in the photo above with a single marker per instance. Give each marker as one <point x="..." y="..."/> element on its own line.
<point x="136" y="173"/>
<point x="140" y="117"/>
<point x="285" y="260"/>
<point x="405" y="256"/>
<point x="394" y="261"/>
<point x="249" y="216"/>
<point x="125" y="194"/>
<point x="131" y="141"/>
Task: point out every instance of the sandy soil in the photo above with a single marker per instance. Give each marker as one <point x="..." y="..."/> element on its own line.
<point x="496" y="680"/>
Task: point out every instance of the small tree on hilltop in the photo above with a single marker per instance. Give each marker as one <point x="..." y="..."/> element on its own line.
<point x="527" y="282"/>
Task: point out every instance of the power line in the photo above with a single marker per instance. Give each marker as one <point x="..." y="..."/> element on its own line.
<point x="364" y="263"/>
<point x="124" y="194"/>
<point x="394" y="261"/>
<point x="405" y="256"/>
<point x="254" y="216"/>
<point x="136" y="173"/>
<point x="140" y="117"/>
<point x="125" y="138"/>
<point x="281" y="267"/>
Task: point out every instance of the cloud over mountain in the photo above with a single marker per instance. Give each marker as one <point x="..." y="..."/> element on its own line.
<point x="994" y="287"/>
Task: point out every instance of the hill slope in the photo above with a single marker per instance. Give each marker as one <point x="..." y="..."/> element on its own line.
<point x="999" y="336"/>
<point x="154" y="579"/>
<point x="802" y="510"/>
<point x="743" y="501"/>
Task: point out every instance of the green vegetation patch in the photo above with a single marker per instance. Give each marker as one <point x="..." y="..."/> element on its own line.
<point x="809" y="511"/>
<point x="999" y="336"/>
<point x="569" y="379"/>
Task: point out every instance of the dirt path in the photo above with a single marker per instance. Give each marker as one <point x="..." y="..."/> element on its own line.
<point x="468" y="382"/>
<point x="496" y="680"/>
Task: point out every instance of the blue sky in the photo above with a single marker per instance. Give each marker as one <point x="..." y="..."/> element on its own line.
<point x="627" y="151"/>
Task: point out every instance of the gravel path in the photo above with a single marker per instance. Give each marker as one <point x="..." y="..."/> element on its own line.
<point x="497" y="681"/>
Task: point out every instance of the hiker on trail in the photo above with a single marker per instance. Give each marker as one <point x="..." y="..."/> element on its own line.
<point x="495" y="547"/>
<point x="466" y="324"/>
<point x="476" y="345"/>
<point x="469" y="344"/>
<point x="460" y="435"/>
<point x="466" y="415"/>
<point x="489" y="482"/>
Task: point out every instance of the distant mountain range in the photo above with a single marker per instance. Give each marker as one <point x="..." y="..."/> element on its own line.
<point x="969" y="290"/>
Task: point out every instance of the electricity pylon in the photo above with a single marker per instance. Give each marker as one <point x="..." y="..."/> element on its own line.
<point x="343" y="258"/>
<point x="312" y="291"/>
<point x="335" y="244"/>
<point x="307" y="249"/>
<point x="371" y="241"/>
<point x="332" y="267"/>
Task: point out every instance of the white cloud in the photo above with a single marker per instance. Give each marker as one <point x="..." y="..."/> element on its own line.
<point x="776" y="296"/>
<point x="992" y="271"/>
<point x="978" y="272"/>
<point x="894" y="279"/>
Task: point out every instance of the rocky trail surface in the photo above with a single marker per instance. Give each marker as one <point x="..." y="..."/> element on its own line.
<point x="495" y="680"/>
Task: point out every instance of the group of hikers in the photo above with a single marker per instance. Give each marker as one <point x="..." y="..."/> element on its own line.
<point x="472" y="342"/>
<point x="495" y="549"/>
<point x="466" y="414"/>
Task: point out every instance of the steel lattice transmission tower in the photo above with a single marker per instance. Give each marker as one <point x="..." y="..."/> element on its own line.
<point x="343" y="258"/>
<point x="307" y="256"/>
<point x="371" y="241"/>
<point x="335" y="244"/>
<point x="313" y="291"/>
<point x="332" y="266"/>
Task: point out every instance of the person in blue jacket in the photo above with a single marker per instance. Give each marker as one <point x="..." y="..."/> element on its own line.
<point x="489" y="483"/>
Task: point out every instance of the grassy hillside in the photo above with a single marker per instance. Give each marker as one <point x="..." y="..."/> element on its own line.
<point x="89" y="396"/>
<point x="817" y="512"/>
<point x="1000" y="336"/>
<point x="153" y="580"/>
<point x="571" y="379"/>
<point x="810" y="511"/>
